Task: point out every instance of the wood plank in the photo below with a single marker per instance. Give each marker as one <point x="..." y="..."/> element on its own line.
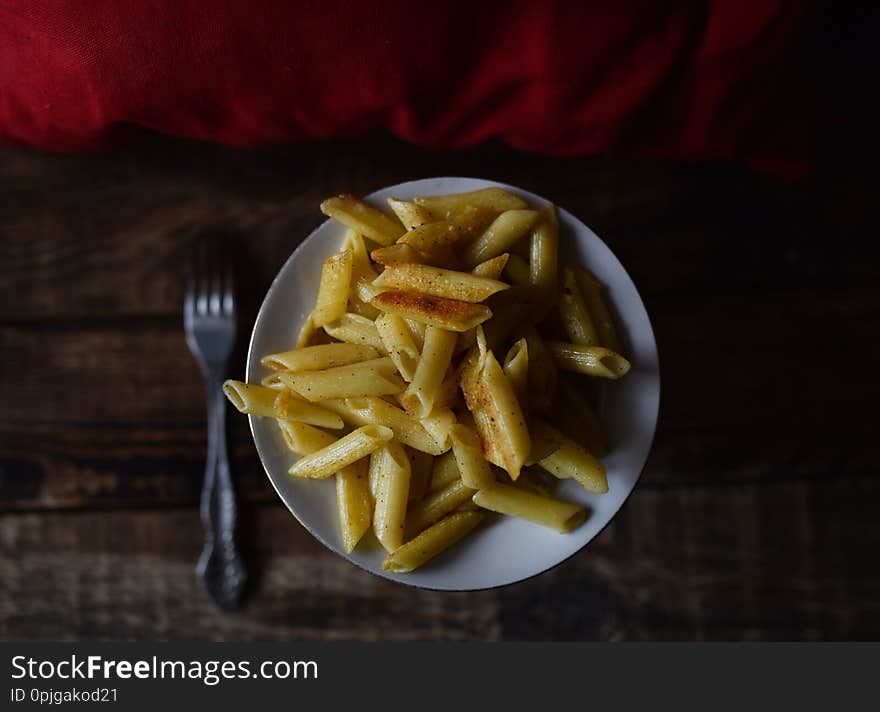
<point x="107" y="235"/>
<point x="746" y="562"/>
<point x="116" y="417"/>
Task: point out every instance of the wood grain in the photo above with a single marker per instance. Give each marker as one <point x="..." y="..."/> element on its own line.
<point x="754" y="518"/>
<point x="743" y="562"/>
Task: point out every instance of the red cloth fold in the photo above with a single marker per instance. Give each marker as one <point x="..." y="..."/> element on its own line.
<point x="688" y="80"/>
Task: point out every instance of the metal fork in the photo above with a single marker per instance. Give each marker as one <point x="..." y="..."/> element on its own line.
<point x="209" y="322"/>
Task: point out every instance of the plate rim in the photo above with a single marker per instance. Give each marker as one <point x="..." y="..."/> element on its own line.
<point x="655" y="415"/>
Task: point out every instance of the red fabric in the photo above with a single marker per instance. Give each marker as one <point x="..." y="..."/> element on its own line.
<point x="685" y="80"/>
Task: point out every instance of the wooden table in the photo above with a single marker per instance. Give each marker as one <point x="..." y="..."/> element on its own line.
<point x="755" y="518"/>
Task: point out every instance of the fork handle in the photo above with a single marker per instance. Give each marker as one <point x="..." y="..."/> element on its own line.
<point x="220" y="566"/>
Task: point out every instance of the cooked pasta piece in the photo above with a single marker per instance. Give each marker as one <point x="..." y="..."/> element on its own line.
<point x="544" y="254"/>
<point x="407" y="429"/>
<point x="497" y="200"/>
<point x="444" y="470"/>
<point x="334" y="287"/>
<point x="500" y="421"/>
<point x="592" y="360"/>
<point x="436" y="506"/>
<point x="572" y="460"/>
<point x="492" y="268"/>
<point x="439" y="425"/>
<point x="573" y="309"/>
<point x="376" y="377"/>
<point x="577" y="419"/>
<point x="353" y="503"/>
<point x="348" y="449"/>
<point x="355" y="329"/>
<point x="439" y="282"/>
<point x="543" y="373"/>
<point x="517" y="271"/>
<point x="409" y="213"/>
<point x="591" y="289"/>
<point x="277" y="403"/>
<point x="315" y="358"/>
<point x="362" y="218"/>
<point x="430" y="371"/>
<point x="516" y="368"/>
<point x="546" y="511"/>
<point x="307" y="333"/>
<point x="432" y="542"/>
<point x="449" y="314"/>
<point x="467" y="449"/>
<point x="420" y="465"/>
<point x="304" y="439"/>
<point x="392" y="492"/>
<point x="500" y="236"/>
<point x="399" y="344"/>
<point x="398" y="252"/>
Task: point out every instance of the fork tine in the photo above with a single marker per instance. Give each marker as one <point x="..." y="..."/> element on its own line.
<point x="215" y="259"/>
<point x="228" y="278"/>
<point x="201" y="277"/>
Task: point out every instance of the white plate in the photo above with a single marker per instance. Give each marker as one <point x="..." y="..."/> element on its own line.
<point x="508" y="549"/>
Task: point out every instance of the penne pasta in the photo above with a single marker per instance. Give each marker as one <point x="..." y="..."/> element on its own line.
<point x="438" y="282"/>
<point x="277" y="403"/>
<point x="315" y="358"/>
<point x="544" y="257"/>
<point x="354" y="504"/>
<point x="400" y="357"/>
<point x="272" y="380"/>
<point x="500" y="236"/>
<point x="501" y="421"/>
<point x="430" y="371"/>
<point x="362" y="218"/>
<point x="517" y="271"/>
<point x="516" y="368"/>
<point x="447" y="395"/>
<point x="355" y="329"/>
<point x="409" y="213"/>
<point x="443" y="235"/>
<point x="443" y="471"/>
<point x="531" y="480"/>
<point x="307" y="333"/>
<point x="352" y="492"/>
<point x="399" y="343"/>
<point x="407" y="430"/>
<point x="496" y="200"/>
<point x="578" y="420"/>
<point x="417" y="329"/>
<point x="591" y="289"/>
<point x="575" y="317"/>
<point x="376" y="377"/>
<point x="436" y="506"/>
<point x="592" y="360"/>
<point x="304" y="439"/>
<point x="468" y="452"/>
<point x="420" y="465"/>
<point x="572" y="460"/>
<point x="449" y="314"/>
<point x="345" y="451"/>
<point x="545" y="440"/>
<point x="543" y="374"/>
<point x="492" y="268"/>
<point x="392" y="492"/>
<point x="291" y="407"/>
<point x="334" y="287"/>
<point x="398" y="252"/>
<point x="439" y="425"/>
<point x="546" y="511"/>
<point x="432" y="542"/>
